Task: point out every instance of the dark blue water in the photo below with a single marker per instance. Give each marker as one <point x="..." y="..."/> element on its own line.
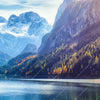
<point x="43" y="90"/>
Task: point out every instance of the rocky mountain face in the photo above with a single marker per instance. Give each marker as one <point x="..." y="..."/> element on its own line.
<point x="29" y="48"/>
<point x="19" y="31"/>
<point x="77" y="16"/>
<point x="62" y="8"/>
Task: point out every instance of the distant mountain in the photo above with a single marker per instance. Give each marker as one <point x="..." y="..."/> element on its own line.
<point x="4" y="58"/>
<point x="77" y="16"/>
<point x="29" y="17"/>
<point x="2" y="19"/>
<point x="19" y="31"/>
<point x="12" y="21"/>
<point x="24" y="18"/>
<point x="29" y="20"/>
<point x="29" y="48"/>
<point x="13" y="45"/>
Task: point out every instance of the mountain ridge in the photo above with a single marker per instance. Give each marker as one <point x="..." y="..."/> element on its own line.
<point x="76" y="17"/>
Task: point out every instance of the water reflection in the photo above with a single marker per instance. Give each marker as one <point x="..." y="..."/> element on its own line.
<point x="34" y="90"/>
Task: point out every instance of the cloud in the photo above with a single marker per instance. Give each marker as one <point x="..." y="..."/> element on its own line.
<point x="45" y="8"/>
<point x="8" y="2"/>
<point x="11" y="7"/>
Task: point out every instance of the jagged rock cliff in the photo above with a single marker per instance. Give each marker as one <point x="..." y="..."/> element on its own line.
<point x="77" y="16"/>
<point x="62" y="8"/>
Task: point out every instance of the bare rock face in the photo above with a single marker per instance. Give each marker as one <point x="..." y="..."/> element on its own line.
<point x="62" y="8"/>
<point x="29" y="48"/>
<point x="76" y="17"/>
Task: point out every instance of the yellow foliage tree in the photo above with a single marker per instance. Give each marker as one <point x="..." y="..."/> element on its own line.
<point x="96" y="60"/>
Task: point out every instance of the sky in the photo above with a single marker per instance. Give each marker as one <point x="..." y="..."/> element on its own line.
<point x="45" y="8"/>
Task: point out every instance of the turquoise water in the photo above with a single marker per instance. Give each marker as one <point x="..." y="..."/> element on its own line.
<point x="48" y="90"/>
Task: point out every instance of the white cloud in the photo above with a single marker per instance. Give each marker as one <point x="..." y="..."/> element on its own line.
<point x="45" y="8"/>
<point x="8" y="2"/>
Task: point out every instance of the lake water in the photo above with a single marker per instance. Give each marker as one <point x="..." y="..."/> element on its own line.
<point x="49" y="90"/>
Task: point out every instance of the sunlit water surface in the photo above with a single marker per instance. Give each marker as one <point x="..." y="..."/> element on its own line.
<point x="49" y="90"/>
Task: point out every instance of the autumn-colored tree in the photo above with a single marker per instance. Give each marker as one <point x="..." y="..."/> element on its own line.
<point x="96" y="60"/>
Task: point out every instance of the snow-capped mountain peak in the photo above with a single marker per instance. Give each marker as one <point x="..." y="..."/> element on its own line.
<point x="18" y="31"/>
